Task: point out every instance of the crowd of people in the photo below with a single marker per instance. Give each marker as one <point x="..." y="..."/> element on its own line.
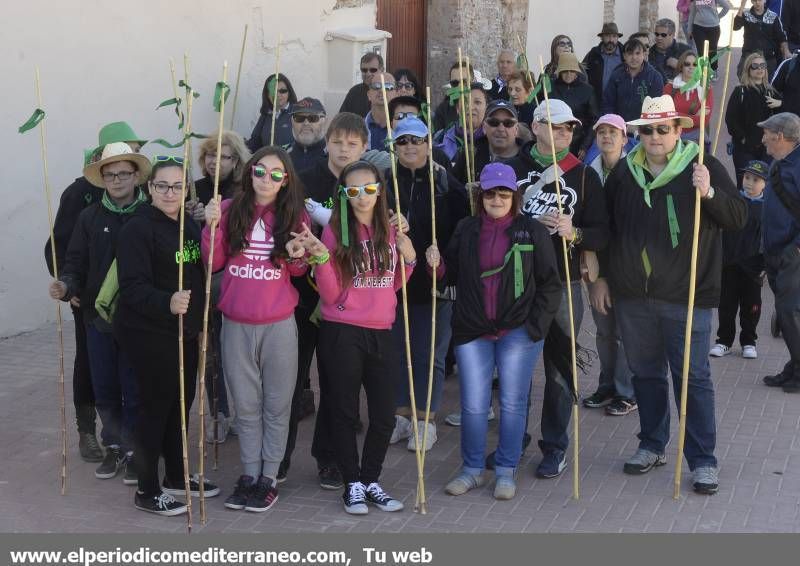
<point x="311" y="247"/>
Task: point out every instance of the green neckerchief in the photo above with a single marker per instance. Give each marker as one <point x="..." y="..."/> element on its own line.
<point x="128" y="208"/>
<point x="679" y="158"/>
<point x="547" y="160"/>
<point x="516" y="251"/>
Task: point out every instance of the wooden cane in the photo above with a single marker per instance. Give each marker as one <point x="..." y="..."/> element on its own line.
<point x="207" y="303"/>
<point x="464" y="127"/>
<point x="471" y="134"/>
<point x="721" y="111"/>
<point x="572" y="337"/>
<point x="528" y="69"/>
<point x="59" y="321"/>
<point x="275" y="108"/>
<point x="431" y="360"/>
<point x="412" y="397"/>
<point x="192" y="188"/>
<point x="181" y="376"/>
<point x="687" y="340"/>
<point x="238" y="76"/>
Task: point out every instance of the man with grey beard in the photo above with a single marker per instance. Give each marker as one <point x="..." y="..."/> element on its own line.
<point x="308" y="131"/>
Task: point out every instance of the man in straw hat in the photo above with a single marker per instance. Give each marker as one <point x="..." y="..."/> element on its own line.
<point x="79" y="195"/>
<point x="651" y="203"/>
<point x="88" y="258"/>
<point x="603" y="58"/>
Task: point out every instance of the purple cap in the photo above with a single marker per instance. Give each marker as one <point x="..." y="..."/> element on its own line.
<point x="498" y="175"/>
<point x="613" y="120"/>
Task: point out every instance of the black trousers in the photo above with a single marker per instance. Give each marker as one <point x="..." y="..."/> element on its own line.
<point x="352" y="356"/>
<point x="741" y="291"/>
<point x="158" y="429"/>
<point x="82" y="392"/>
<point x="700" y="34"/>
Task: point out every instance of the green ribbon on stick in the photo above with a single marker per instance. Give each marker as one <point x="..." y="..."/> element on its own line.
<point x="544" y="81"/>
<point x="455" y="93"/>
<point x="177" y="103"/>
<point x="175" y="145"/>
<point x="220" y="90"/>
<point x="37" y="116"/>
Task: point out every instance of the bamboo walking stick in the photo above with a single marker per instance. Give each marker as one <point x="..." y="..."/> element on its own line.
<point x="471" y="135"/>
<point x="687" y="340"/>
<point x="433" y="300"/>
<point x="721" y="110"/>
<point x="189" y="179"/>
<point x="59" y="321"/>
<point x="414" y="424"/>
<point x="181" y="376"/>
<point x="207" y="303"/>
<point x="238" y="76"/>
<point x="275" y="108"/>
<point x="527" y="67"/>
<point x="464" y="126"/>
<point x="572" y="337"/>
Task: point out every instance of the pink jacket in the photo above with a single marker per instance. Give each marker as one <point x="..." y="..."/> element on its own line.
<point x="370" y="299"/>
<point x="683" y="8"/>
<point x="253" y="290"/>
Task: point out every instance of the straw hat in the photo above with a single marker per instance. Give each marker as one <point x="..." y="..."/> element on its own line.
<point x="113" y="152"/>
<point x="568" y="62"/>
<point x="660" y="109"/>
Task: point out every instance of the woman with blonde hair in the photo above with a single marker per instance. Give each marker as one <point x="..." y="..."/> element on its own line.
<point x="233" y="157"/>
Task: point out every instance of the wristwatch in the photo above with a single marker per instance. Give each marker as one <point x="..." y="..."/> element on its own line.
<point x="710" y="193"/>
<point x="578" y="236"/>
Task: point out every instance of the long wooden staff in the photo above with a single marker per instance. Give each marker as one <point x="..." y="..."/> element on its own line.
<point x="59" y="321"/>
<point x="575" y="425"/>
<point x="471" y="135"/>
<point x="181" y="376"/>
<point x="275" y="108"/>
<point x="238" y="76"/>
<point x="687" y="341"/>
<point x="187" y="145"/>
<point x="414" y="424"/>
<point x="527" y="67"/>
<point x="464" y="127"/>
<point x="207" y="303"/>
<point x="721" y="111"/>
<point x="431" y="360"/>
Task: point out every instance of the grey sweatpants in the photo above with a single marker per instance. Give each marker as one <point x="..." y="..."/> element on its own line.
<point x="261" y="370"/>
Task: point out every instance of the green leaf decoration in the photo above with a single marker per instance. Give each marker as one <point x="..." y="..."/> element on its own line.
<point x="221" y="89"/>
<point x="37" y="116"/>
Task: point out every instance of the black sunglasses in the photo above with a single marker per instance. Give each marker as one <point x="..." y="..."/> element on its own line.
<point x="414" y="140"/>
<point x="366" y="70"/>
<point x="662" y="129"/>
<point x="300" y="118"/>
<point x="494" y="122"/>
<point x="657" y="34"/>
<point x="757" y="66"/>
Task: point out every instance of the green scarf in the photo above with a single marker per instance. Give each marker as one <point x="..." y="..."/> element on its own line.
<point x="682" y="155"/>
<point x="515" y="251"/>
<point x="127" y="209"/>
<point x="547" y="160"/>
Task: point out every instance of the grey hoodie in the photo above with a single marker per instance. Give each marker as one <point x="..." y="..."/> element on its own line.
<point x="707" y="13"/>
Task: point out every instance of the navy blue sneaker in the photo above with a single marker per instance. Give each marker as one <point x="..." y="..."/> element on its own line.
<point x="553" y="463"/>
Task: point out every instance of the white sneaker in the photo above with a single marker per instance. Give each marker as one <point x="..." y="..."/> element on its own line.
<point x="402" y="429"/>
<point x="429" y="441"/>
<point x="719" y="350"/>
<point x="223" y="428"/>
<point x="454" y="419"/>
<point x="749" y="352"/>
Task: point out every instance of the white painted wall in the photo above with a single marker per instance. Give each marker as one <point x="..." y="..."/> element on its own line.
<point x="105" y="61"/>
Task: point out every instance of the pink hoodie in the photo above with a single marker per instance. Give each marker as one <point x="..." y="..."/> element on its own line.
<point x="253" y="290"/>
<point x="370" y="299"/>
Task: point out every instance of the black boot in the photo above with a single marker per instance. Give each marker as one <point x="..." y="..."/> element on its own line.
<point x="87" y="441"/>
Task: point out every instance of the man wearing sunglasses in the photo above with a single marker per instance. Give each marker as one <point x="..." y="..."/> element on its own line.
<point x="376" y="119"/>
<point x="308" y="133"/>
<point x="664" y="54"/>
<point x="651" y="203"/>
<point x="356" y="100"/>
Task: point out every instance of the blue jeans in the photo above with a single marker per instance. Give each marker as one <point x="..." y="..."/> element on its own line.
<point x="116" y="396"/>
<point x="557" y="404"/>
<point x="419" y="327"/>
<point x="515" y="356"/>
<point x="653" y="332"/>
<point x="615" y="375"/>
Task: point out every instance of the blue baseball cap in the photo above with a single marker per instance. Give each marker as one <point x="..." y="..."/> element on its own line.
<point x="410" y="126"/>
<point x="496" y="105"/>
<point x="757" y="168"/>
<point x="498" y="175"/>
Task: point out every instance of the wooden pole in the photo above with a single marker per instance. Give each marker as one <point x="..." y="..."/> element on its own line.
<point x="464" y="127"/>
<point x="414" y="424"/>
<point x="528" y="70"/>
<point x="471" y="134"/>
<point x="572" y="336"/>
<point x="724" y="100"/>
<point x="687" y="340"/>
<point x="181" y="376"/>
<point x="275" y="108"/>
<point x="189" y="179"/>
<point x="59" y="321"/>
<point x="238" y="76"/>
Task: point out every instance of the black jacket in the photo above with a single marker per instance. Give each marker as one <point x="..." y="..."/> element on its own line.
<point x="445" y="115"/>
<point x="582" y="198"/>
<point x="593" y="63"/>
<point x="743" y="247"/>
<point x="790" y="17"/>
<point x="787" y="82"/>
<point x="304" y="156"/>
<point x="147" y="268"/>
<point x="356" y="100"/>
<point x="415" y="204"/>
<point x="762" y="33"/>
<point x="746" y="108"/>
<point x="205" y="188"/>
<point x="636" y="227"/>
<point x="580" y="97"/>
<point x="79" y="195"/>
<point x="498" y="92"/>
<point x="659" y="60"/>
<point x="263" y="129"/>
<point x="483" y="157"/>
<point x="319" y="182"/>
<point x="537" y="305"/>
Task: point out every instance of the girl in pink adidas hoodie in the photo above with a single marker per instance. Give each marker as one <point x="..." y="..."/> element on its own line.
<point x="254" y="246"/>
<point x="358" y="274"/>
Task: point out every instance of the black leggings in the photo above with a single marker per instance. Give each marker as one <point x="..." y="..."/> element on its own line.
<point x="701" y="34"/>
<point x="82" y="391"/>
<point x="741" y="291"/>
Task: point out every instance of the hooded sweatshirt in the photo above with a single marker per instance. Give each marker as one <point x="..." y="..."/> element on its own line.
<point x="253" y="289"/>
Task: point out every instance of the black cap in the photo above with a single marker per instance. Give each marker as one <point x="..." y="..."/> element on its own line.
<point x="757" y="168"/>
<point x="496" y="105"/>
<point x="307" y="105"/>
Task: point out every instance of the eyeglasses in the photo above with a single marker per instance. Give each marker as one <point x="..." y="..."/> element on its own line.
<point x="377" y="86"/>
<point x="659" y="34"/>
<point x="312" y="118"/>
<point x="494" y="122"/>
<point x="404" y="85"/>
<point x="414" y="140"/>
<point x="402" y="115"/>
<point x="122" y="176"/>
<point x="504" y="194"/>
<point x="662" y="129"/>
<point x="757" y="66"/>
<point x="164" y="188"/>
<point x="560" y="128"/>
<point x="213" y="157"/>
<point x="167" y="159"/>
<point x="355" y="191"/>
<point x="365" y="70"/>
<point x="564" y="43"/>
<point x="277" y="175"/>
